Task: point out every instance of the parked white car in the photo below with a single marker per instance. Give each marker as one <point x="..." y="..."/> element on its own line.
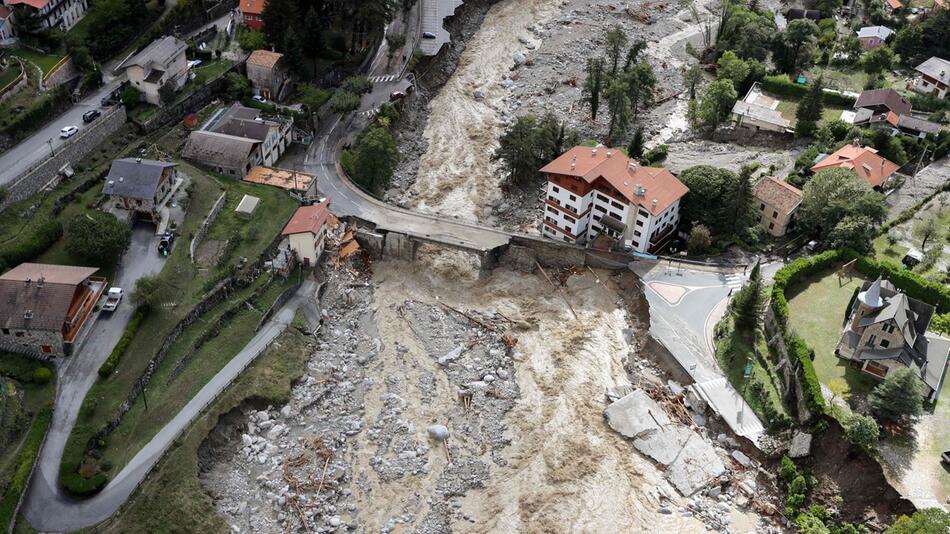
<point x="68" y="132"/>
<point x="113" y="298"/>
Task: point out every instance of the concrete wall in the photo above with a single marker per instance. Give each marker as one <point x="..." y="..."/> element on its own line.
<point x="75" y="149"/>
<point x="65" y="73"/>
<point x="205" y="224"/>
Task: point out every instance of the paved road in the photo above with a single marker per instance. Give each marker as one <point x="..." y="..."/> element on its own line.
<point x="32" y="150"/>
<point x="685" y="305"/>
<point x="49" y="509"/>
<point x="76" y="375"/>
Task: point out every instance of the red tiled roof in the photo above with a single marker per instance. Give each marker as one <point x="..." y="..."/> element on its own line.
<point x="623" y="174"/>
<point x="5" y="12"/>
<point x="36" y="4"/>
<point x="862" y="160"/>
<point x="778" y="193"/>
<point x="27" y="302"/>
<point x="263" y="58"/>
<point x="308" y="219"/>
<point x="254" y="7"/>
<point x="895" y="4"/>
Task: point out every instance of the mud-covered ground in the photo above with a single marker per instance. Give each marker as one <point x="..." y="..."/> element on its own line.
<point x="517" y="57"/>
<point x="515" y="380"/>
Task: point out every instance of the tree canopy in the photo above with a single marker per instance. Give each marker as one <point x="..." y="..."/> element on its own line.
<point x="97" y="238"/>
<point x="898" y="398"/>
<point x="717" y="102"/>
<point x="709" y="187"/>
<point x="839" y="196"/>
<point x="926" y="521"/>
<point x="529" y="144"/>
<point x="373" y="159"/>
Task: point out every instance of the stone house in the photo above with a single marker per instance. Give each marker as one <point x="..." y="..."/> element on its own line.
<point x="238" y="140"/>
<point x="307" y="231"/>
<point x="46" y="309"/>
<point x="161" y="62"/>
<point x="777" y="202"/>
<point x="252" y="12"/>
<point x="887" y="330"/>
<point x="268" y="77"/>
<point x="139" y="186"/>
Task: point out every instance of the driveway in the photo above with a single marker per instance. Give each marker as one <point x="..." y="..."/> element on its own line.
<point x="685" y="306"/>
<point x="48" y="508"/>
<point x="28" y="153"/>
<point x="76" y="375"/>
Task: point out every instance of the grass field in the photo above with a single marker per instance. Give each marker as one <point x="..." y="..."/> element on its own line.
<point x="787" y="108"/>
<point x="816" y="313"/>
<point x="10" y="73"/>
<point x="45" y="62"/>
<point x="186" y="285"/>
<point x="171" y="499"/>
<point x="733" y="353"/>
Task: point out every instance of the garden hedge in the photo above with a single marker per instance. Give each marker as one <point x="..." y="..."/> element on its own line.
<point x="26" y="248"/>
<point x="782" y="85"/>
<point x="24" y="465"/>
<point x="105" y="370"/>
<point x="79" y="485"/>
<point x="798" y="351"/>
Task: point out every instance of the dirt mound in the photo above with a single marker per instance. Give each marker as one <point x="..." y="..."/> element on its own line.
<point x="844" y="470"/>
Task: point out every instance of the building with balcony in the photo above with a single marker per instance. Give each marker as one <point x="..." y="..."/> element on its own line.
<point x="594" y="191"/>
<point x="239" y="139"/>
<point x="161" y="62"/>
<point x="62" y="14"/>
<point x="46" y="309"/>
<point x="934" y="78"/>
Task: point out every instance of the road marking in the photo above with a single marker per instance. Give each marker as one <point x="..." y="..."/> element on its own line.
<point x="369" y="112"/>
<point x="383" y="79"/>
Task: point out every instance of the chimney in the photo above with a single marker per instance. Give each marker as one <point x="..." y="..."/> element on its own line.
<point x="654" y="203"/>
<point x="28" y="314"/>
<point x="632" y="166"/>
<point x="41" y="282"/>
<point x="639" y="190"/>
<point x="609" y="153"/>
<point x="121" y="179"/>
<point x="29" y="281"/>
<point x="574" y="157"/>
<point x="573" y="165"/>
<point x="593" y="152"/>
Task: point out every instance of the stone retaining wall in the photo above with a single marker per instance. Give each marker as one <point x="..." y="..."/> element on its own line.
<point x="203" y="229"/>
<point x="11" y="88"/>
<point x="47" y="172"/>
<point x="64" y="73"/>
<point x="175" y="112"/>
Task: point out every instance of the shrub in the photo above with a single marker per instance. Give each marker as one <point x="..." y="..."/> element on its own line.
<point x="42" y="375"/>
<point x="788" y="471"/>
<point x="861" y="430"/>
<point x="782" y="85"/>
<point x="28" y="247"/>
<point x="799" y="352"/>
<point x="24" y="464"/>
<point x="357" y="85"/>
<point x="77" y="484"/>
<point x="105" y="370"/>
<point x="655" y="156"/>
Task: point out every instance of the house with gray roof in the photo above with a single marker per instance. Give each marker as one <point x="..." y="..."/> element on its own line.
<point x="874" y="36"/>
<point x="887" y="330"/>
<point x="237" y="140"/>
<point x="161" y="62"/>
<point x="759" y="112"/>
<point x="934" y="78"/>
<point x="139" y="187"/>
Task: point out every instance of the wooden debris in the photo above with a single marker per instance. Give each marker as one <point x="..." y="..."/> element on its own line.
<point x="559" y="290"/>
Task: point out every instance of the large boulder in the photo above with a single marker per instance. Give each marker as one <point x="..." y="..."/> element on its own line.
<point x="635" y="415"/>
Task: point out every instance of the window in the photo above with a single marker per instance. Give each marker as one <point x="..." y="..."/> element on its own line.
<point x="572" y="197"/>
<point x="885" y="343"/>
<point x="639" y="222"/>
<point x="643" y="213"/>
<point x="774" y="214"/>
<point x="47" y="349"/>
<point x="6" y="331"/>
<point x="761" y="207"/>
<point x="549" y="219"/>
<point x="771" y="226"/>
<point x="871" y="341"/>
<point x="637" y="233"/>
<point x="600" y="209"/>
<point x="617" y="205"/>
<point x="569" y="218"/>
<point x="596" y="217"/>
<point x="555" y="189"/>
<point x="602" y="198"/>
<point x="876" y="369"/>
<point x="889" y="328"/>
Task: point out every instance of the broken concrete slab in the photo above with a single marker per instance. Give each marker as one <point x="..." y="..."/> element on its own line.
<point x="636" y="414"/>
<point x="663" y="445"/>
<point x="800" y="446"/>
<point x="696" y="466"/>
<point x="743" y="460"/>
<point x="618" y="392"/>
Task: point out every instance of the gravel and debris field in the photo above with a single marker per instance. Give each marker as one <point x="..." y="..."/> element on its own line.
<point x="440" y="402"/>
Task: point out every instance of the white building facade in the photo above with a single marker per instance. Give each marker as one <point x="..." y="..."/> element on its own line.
<point x="593" y="191"/>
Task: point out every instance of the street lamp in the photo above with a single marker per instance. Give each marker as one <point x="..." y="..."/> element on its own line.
<point x="50" y="143"/>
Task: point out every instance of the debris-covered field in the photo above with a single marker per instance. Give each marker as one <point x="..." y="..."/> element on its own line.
<point x="438" y="402"/>
<point x="529" y="56"/>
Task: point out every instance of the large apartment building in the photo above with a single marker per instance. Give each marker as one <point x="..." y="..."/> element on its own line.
<point x="593" y="191"/>
<point x="62" y="14"/>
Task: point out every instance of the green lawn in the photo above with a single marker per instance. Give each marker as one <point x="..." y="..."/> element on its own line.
<point x="186" y="285"/>
<point x="172" y="494"/>
<point x="816" y="313"/>
<point x="787" y="107"/>
<point x="733" y="353"/>
<point x="10" y="73"/>
<point x="45" y="62"/>
<point x="209" y="70"/>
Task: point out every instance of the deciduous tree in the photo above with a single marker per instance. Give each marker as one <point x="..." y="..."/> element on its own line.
<point x="375" y="159"/>
<point x="730" y="67"/>
<point x="861" y="430"/>
<point x="97" y="238"/>
<point x="699" y="240"/>
<point x="877" y="60"/>
<point x="810" y="109"/>
<point x="926" y="521"/>
<point x="717" y="102"/>
<point x="834" y="195"/>
<point x="640" y="81"/>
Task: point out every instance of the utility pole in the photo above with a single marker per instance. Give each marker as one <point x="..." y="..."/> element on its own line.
<point x="145" y="397"/>
<point x="916" y="170"/>
<point x="50" y="143"/>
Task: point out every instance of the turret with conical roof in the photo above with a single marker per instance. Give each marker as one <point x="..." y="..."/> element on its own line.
<point x="868" y="302"/>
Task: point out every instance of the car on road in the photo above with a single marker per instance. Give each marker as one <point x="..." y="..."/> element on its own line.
<point x="113" y="298"/>
<point x="259" y="98"/>
<point x="428" y="35"/>
<point x="396" y="95"/>
<point x="68" y="132"/>
<point x="945" y="458"/>
<point x="91" y="115"/>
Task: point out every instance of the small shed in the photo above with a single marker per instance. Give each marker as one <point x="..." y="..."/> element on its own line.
<point x="245" y="208"/>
